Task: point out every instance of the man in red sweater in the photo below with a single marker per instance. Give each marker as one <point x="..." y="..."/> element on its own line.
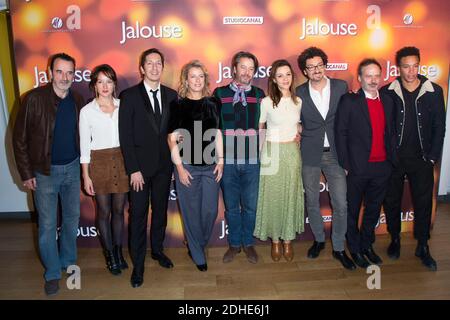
<point x="364" y="143"/>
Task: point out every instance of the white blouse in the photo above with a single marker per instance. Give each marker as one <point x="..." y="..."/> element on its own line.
<point x="98" y="130"/>
<point x="281" y="121"/>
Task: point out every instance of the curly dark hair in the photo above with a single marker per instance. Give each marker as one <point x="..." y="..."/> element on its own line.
<point x="405" y="52"/>
<point x="310" y="53"/>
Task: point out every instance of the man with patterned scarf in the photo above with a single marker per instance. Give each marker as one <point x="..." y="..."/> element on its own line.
<point x="239" y="119"/>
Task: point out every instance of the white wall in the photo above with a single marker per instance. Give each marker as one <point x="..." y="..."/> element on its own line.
<point x="444" y="180"/>
<point x="11" y="198"/>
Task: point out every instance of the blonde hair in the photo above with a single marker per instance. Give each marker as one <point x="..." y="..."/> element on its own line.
<point x="183" y="87"/>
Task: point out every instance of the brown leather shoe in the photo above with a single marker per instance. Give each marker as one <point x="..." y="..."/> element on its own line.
<point x="251" y="254"/>
<point x="288" y="251"/>
<point x="277" y="251"/>
<point x="230" y="254"/>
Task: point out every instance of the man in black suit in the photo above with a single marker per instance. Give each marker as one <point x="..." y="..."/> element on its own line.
<point x="143" y="119"/>
<point x="364" y="141"/>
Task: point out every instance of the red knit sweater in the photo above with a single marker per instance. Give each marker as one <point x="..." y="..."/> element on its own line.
<point x="376" y="112"/>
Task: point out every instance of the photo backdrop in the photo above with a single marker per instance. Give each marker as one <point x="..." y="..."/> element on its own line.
<point x="117" y="31"/>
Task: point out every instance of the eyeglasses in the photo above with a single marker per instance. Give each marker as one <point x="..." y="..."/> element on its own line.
<point x="320" y="66"/>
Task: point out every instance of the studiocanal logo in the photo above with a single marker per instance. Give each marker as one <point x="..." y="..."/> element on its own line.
<point x="69" y="23"/>
<point x="337" y="66"/>
<point x="243" y="20"/>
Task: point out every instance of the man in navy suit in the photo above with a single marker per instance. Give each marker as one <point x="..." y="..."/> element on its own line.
<point x="364" y="133"/>
<point x="143" y="120"/>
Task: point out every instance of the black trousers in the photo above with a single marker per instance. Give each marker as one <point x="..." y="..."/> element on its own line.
<point x="156" y="190"/>
<point x="370" y="187"/>
<point x="421" y="182"/>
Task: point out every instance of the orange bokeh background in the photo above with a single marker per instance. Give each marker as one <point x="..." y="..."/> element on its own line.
<point x="381" y="29"/>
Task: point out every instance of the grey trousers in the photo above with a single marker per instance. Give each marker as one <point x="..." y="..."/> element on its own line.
<point x="198" y="205"/>
<point x="337" y="184"/>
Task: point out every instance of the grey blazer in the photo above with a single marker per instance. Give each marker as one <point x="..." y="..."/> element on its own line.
<point x="314" y="126"/>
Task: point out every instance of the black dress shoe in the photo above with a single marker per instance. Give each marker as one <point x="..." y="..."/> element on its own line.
<point x="423" y="252"/>
<point x="393" y="250"/>
<point x="372" y="256"/>
<point x="137" y="279"/>
<point x="315" y="249"/>
<point x="359" y="260"/>
<point x="163" y="260"/>
<point x="202" y="267"/>
<point x="346" y="262"/>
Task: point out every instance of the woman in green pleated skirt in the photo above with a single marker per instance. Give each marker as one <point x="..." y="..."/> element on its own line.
<point x="280" y="210"/>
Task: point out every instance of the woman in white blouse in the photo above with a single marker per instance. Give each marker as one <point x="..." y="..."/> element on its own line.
<point x="280" y="211"/>
<point x="102" y="163"/>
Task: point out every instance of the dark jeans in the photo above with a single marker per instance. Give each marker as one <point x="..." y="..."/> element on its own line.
<point x="370" y="186"/>
<point x="240" y="183"/>
<point x="421" y="182"/>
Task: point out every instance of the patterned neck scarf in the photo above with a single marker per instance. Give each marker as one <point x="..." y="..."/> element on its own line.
<point x="239" y="92"/>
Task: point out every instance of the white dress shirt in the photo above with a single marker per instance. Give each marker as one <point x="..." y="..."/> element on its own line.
<point x="369" y="96"/>
<point x="98" y="130"/>
<point x="150" y="95"/>
<point x="322" y="102"/>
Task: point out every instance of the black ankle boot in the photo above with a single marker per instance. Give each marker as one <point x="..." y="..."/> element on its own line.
<point x="119" y="257"/>
<point x="111" y="263"/>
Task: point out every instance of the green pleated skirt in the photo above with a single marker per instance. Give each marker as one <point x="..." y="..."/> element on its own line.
<point x="280" y="212"/>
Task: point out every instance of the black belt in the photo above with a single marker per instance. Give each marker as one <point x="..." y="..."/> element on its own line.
<point x="326" y="149"/>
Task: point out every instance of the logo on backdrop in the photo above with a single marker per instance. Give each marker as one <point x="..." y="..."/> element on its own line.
<point x="408" y="22"/>
<point x="430" y="71"/>
<point x="41" y="76"/>
<point x="225" y="72"/>
<point x="69" y="23"/>
<point x="337" y="66"/>
<point x="408" y="19"/>
<point x="243" y="20"/>
<point x="137" y="31"/>
<point x="315" y="27"/>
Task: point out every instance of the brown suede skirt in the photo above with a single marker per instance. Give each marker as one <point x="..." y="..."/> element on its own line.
<point x="107" y="171"/>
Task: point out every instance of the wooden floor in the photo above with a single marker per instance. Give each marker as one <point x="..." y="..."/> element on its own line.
<point x="323" y="278"/>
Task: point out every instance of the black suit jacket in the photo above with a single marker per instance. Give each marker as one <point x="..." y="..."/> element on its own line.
<point x="144" y="144"/>
<point x="353" y="131"/>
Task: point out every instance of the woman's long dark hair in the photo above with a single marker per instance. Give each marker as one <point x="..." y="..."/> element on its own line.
<point x="274" y="92"/>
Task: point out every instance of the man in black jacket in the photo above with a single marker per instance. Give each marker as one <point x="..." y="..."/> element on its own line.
<point x="420" y="129"/>
<point x="143" y="120"/>
<point x="364" y="138"/>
